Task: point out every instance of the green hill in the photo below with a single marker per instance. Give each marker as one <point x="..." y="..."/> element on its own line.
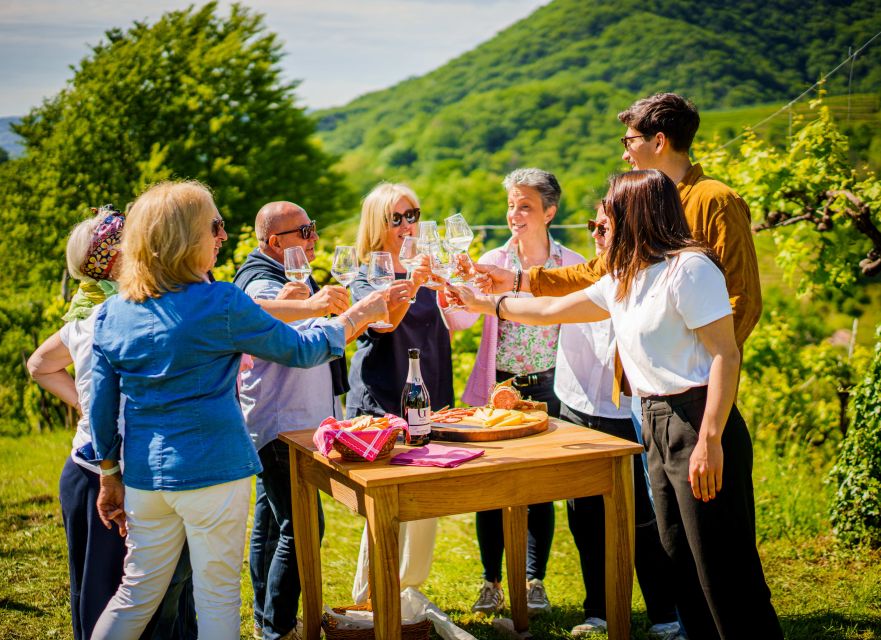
<point x="546" y="91"/>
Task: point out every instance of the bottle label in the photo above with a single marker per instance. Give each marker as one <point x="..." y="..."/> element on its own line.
<point x="418" y="421"/>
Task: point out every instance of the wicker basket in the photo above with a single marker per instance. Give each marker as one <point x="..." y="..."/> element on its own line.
<point x="350" y="456"/>
<point x="415" y="631"/>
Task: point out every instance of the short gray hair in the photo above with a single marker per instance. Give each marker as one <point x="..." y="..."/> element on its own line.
<point x="542" y="181"/>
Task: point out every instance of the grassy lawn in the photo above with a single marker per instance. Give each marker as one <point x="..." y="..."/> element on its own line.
<point x="819" y="591"/>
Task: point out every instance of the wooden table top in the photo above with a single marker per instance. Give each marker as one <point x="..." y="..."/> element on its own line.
<point x="562" y="442"/>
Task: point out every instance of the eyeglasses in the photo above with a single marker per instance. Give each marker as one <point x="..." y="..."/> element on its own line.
<point x="306" y="231"/>
<point x="412" y="216"/>
<point x="595" y="226"/>
<point x="217" y="225"/>
<point x="626" y="140"/>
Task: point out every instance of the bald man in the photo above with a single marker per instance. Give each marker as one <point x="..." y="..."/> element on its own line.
<point x="275" y="398"/>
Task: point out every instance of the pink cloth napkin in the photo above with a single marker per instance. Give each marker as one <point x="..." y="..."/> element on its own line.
<point x="365" y="443"/>
<point x="436" y="455"/>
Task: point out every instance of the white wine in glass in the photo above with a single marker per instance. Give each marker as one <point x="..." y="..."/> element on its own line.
<point x="296" y="266"/>
<point x="458" y="234"/>
<point x="345" y="265"/>
<point x="409" y="257"/>
<point x="380" y="276"/>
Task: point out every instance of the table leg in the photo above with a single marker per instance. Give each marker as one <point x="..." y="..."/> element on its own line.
<point x="305" y="512"/>
<point x="619" y="548"/>
<point x="385" y="582"/>
<point x="514" y="525"/>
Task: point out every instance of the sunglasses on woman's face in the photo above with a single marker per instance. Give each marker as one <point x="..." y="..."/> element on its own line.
<point x="595" y="226"/>
<point x="217" y="225"/>
<point x="412" y="216"/>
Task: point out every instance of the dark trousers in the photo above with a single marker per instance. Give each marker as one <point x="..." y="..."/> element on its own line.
<point x="720" y="586"/>
<point x="264" y="539"/>
<point x="540" y="519"/>
<point x="587" y="524"/>
<point x="95" y="558"/>
<point x="283" y="578"/>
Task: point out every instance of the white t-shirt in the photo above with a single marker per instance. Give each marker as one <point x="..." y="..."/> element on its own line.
<point x="586" y="369"/>
<point x="655" y="323"/>
<point x="78" y="336"/>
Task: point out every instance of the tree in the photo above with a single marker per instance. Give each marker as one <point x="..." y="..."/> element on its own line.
<point x="195" y="95"/>
<point x="823" y="213"/>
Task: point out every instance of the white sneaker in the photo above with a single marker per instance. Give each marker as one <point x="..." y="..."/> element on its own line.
<point x="590" y="627"/>
<point x="490" y="600"/>
<point x="536" y="597"/>
<point x="665" y="631"/>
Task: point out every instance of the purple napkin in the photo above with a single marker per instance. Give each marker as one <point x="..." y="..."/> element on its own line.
<point x="436" y="455"/>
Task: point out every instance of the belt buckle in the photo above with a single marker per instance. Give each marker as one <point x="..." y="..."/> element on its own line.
<point x="525" y="380"/>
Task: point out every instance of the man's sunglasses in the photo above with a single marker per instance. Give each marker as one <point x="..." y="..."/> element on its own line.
<point x="306" y="230"/>
<point x="600" y="229"/>
<point x="217" y="225"/>
<point x="412" y="216"/>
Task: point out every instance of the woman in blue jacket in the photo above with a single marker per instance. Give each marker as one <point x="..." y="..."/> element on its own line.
<point x="171" y="344"/>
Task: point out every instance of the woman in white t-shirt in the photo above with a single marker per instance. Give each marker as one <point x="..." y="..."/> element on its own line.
<point x="665" y="294"/>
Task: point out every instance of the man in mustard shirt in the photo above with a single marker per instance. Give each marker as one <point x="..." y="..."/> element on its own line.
<point x="660" y="130"/>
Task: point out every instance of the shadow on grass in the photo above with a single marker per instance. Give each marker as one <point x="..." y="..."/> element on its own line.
<point x="830" y="626"/>
<point x="8" y="604"/>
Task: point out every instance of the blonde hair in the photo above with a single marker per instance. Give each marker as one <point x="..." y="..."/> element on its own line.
<point x="376" y="216"/>
<point x="163" y="239"/>
<point x="78" y="245"/>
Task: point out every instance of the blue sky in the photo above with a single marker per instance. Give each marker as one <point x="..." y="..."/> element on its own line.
<point x="339" y="49"/>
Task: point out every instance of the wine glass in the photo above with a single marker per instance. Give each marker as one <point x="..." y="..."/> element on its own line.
<point x="458" y="234"/>
<point x="380" y="275"/>
<point x="296" y="266"/>
<point x="428" y="236"/>
<point x="443" y="265"/>
<point x="345" y="265"/>
<point x="409" y="257"/>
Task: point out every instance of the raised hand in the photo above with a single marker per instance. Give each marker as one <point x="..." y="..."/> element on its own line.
<point x="330" y="299"/>
<point x="463" y="295"/>
<point x="294" y="291"/>
<point x="370" y="308"/>
<point x="400" y="293"/>
<point x="492" y="279"/>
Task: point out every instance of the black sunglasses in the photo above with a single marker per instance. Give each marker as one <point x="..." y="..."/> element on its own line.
<point x="600" y="229"/>
<point x="216" y="225"/>
<point x="412" y="216"/>
<point x="306" y="230"/>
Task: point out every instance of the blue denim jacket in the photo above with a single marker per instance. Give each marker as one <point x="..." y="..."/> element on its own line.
<point x="175" y="359"/>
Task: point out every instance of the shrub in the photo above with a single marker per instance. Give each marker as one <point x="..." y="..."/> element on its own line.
<point x="856" y="508"/>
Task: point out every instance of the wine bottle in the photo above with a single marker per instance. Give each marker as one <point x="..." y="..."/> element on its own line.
<point x="415" y="404"/>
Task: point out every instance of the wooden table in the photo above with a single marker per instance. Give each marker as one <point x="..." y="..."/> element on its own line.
<point x="566" y="461"/>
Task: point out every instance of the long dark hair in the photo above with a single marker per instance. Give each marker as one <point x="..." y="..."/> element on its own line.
<point x="648" y="225"/>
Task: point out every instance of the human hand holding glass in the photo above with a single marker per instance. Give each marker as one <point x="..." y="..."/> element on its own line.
<point x="380" y="276"/>
<point x="296" y="266"/>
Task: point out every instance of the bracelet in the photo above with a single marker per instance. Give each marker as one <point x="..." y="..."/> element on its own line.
<point x="351" y="323"/>
<point x="111" y="471"/>
<point x="518" y="274"/>
<point x="499" y="306"/>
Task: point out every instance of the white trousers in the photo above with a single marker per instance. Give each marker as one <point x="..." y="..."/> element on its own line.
<point x="416" y="544"/>
<point x="212" y="520"/>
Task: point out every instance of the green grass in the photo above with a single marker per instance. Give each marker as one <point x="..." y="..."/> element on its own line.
<point x="819" y="590"/>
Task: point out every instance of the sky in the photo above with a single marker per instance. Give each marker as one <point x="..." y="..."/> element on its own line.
<point x="338" y="49"/>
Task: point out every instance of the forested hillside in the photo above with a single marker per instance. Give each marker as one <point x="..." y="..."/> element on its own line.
<point x="546" y="90"/>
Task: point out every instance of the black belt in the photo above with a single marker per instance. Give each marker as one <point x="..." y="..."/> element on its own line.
<point x="528" y="379"/>
<point x="678" y="398"/>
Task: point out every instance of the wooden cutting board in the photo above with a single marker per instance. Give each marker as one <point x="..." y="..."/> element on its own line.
<point x="465" y="432"/>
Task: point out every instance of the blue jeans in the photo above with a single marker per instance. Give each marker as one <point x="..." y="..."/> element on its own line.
<point x="283" y="579"/>
<point x="264" y="539"/>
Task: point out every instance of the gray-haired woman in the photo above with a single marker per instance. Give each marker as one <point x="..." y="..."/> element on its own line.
<point x="527" y="354"/>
